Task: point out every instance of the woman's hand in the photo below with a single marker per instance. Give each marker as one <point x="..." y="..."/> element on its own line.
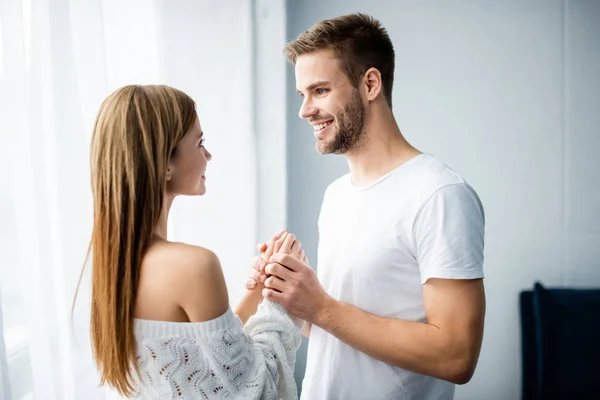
<point x="282" y="242"/>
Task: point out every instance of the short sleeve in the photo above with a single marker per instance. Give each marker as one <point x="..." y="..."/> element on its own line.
<point x="448" y="234"/>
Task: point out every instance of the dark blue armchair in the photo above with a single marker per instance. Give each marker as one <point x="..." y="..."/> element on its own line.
<point x="560" y="343"/>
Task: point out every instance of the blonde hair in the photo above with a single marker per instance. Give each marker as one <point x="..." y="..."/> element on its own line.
<point x="358" y="41"/>
<point x="136" y="132"/>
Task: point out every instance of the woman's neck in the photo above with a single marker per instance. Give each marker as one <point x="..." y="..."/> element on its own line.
<point x="160" y="231"/>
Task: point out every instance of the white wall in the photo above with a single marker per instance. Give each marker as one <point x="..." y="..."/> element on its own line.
<point x="223" y="220"/>
<point x="508" y="94"/>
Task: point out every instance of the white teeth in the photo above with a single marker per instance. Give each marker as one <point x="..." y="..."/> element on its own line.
<point x="321" y="126"/>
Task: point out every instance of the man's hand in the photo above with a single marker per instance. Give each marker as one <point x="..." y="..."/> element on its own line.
<point x="252" y="298"/>
<point x="257" y="275"/>
<point x="293" y="284"/>
<point x="283" y="244"/>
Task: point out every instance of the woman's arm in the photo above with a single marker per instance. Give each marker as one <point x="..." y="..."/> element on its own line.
<point x="261" y="358"/>
<point x="248" y="305"/>
<point x="276" y="338"/>
<point x="282" y="242"/>
<point x="252" y="298"/>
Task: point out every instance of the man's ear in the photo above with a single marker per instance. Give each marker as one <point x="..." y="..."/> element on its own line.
<point x="373" y="83"/>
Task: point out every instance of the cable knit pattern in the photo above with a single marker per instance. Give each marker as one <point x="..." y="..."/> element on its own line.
<point x="219" y="359"/>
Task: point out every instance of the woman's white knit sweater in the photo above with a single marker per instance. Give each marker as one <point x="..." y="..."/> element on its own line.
<point x="220" y="358"/>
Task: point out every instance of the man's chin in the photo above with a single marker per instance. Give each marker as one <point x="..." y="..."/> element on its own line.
<point x="322" y="148"/>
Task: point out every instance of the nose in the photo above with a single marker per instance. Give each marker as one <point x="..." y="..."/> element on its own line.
<point x="208" y="155"/>
<point x="307" y="109"/>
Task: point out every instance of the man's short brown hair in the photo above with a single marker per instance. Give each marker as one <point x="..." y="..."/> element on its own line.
<point x="358" y="41"/>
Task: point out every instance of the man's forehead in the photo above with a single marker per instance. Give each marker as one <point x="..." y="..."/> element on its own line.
<point x="316" y="67"/>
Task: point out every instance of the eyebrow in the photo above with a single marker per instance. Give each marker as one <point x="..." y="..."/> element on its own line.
<point x="316" y="85"/>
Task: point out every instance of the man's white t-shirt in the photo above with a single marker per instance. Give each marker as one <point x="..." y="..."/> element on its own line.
<point x="377" y="245"/>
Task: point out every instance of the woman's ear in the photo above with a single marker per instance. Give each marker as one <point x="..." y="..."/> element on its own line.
<point x="169" y="174"/>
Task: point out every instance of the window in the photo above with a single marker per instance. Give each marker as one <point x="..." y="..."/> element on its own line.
<point x="56" y="84"/>
<point x="12" y="289"/>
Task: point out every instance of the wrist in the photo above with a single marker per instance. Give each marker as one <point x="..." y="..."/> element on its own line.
<point x="256" y="292"/>
<point x="251" y="298"/>
<point x="249" y="304"/>
<point x="325" y="313"/>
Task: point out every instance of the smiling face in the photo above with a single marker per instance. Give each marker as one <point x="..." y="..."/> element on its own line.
<point x="330" y="103"/>
<point x="188" y="164"/>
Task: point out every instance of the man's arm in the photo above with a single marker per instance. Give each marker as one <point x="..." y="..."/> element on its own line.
<point x="447" y="347"/>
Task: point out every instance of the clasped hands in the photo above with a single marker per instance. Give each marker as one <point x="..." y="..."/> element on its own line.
<point x="283" y="275"/>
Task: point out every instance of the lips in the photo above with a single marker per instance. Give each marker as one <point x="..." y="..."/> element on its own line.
<point x="318" y="127"/>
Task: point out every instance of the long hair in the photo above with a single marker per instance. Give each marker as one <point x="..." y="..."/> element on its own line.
<point x="136" y="132"/>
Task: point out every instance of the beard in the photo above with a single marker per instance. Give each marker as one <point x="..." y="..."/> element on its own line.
<point x="350" y="128"/>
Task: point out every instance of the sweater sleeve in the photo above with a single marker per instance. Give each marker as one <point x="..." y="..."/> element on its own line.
<point x="276" y="339"/>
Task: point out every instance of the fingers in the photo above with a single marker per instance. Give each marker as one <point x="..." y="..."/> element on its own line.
<point x="251" y="284"/>
<point x="299" y="254"/>
<point x="257" y="276"/>
<point x="295" y="249"/>
<point x="278" y="235"/>
<point x="279" y="271"/>
<point x="275" y="244"/>
<point x="269" y="251"/>
<point x="287" y="261"/>
<point x="261" y="247"/>
<point x="259" y="264"/>
<point x="288" y="243"/>
<point x="273" y="295"/>
<point x="274" y="283"/>
<point x="279" y="242"/>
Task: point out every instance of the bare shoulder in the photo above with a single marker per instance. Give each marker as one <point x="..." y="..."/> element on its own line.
<point x="191" y="278"/>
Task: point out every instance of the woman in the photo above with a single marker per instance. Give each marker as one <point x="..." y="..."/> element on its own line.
<point x="161" y="323"/>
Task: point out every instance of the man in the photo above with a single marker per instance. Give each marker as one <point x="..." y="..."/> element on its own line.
<point x="398" y="308"/>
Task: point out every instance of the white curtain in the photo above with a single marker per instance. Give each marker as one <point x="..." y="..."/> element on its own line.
<point x="58" y="60"/>
<point x="4" y="373"/>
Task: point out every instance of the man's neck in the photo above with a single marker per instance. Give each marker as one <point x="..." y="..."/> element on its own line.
<point x="383" y="149"/>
